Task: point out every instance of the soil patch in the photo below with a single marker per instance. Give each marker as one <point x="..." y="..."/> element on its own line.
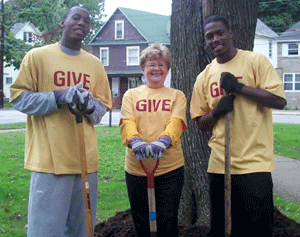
<point x="121" y="225"/>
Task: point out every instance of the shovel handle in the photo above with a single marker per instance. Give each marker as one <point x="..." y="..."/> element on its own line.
<point x="227" y="178"/>
<point x="151" y="196"/>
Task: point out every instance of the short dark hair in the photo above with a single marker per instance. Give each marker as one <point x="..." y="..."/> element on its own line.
<point x="215" y="18"/>
<point x="68" y="11"/>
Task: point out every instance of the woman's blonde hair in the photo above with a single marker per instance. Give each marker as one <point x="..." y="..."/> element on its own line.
<point x="156" y="50"/>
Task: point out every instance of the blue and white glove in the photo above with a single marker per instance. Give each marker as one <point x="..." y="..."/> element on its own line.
<point x="71" y="96"/>
<point x="157" y="148"/>
<point x="88" y="106"/>
<point x="140" y="148"/>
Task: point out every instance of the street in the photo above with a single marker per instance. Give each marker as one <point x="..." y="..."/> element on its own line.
<point x="8" y="116"/>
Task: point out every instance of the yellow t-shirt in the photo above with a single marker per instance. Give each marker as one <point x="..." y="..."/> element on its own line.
<point x="52" y="143"/>
<point x="251" y="126"/>
<point x="151" y="109"/>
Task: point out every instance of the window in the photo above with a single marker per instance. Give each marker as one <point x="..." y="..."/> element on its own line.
<point x="119" y="29"/>
<point x="8" y="80"/>
<point x="290" y="49"/>
<point x="104" y="56"/>
<point x="133" y="56"/>
<point x="270" y="49"/>
<point x="27" y="37"/>
<point x="293" y="49"/>
<point x="291" y="82"/>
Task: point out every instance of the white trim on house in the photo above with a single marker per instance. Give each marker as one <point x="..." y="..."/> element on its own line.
<point x="287" y="50"/>
<point x="290" y="82"/>
<point x="132" y="60"/>
<point x="117" y="37"/>
<point x="101" y="49"/>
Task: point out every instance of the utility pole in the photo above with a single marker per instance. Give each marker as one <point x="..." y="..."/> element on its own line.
<point x="2" y="56"/>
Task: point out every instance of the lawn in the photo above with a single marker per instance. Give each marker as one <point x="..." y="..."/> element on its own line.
<point x="287" y="140"/>
<point x="14" y="179"/>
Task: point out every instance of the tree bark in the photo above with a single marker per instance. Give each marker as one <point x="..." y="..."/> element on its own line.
<point x="189" y="58"/>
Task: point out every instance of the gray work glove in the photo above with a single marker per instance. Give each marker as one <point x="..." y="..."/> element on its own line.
<point x="88" y="106"/>
<point x="140" y="148"/>
<point x="157" y="148"/>
<point x="70" y="96"/>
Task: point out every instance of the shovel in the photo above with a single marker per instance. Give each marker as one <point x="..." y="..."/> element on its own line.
<point x="84" y="173"/>
<point x="151" y="197"/>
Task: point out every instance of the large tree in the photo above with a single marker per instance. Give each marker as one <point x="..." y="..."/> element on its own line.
<point x="189" y="59"/>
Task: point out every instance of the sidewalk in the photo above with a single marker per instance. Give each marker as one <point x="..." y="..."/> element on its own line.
<point x="286" y="178"/>
<point x="286" y="112"/>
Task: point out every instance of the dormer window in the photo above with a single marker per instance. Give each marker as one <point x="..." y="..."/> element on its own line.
<point x="119" y="30"/>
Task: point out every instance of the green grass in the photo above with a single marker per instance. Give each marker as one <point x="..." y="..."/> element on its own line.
<point x="14" y="179"/>
<point x="12" y="126"/>
<point x="287" y="140"/>
<point x="289" y="209"/>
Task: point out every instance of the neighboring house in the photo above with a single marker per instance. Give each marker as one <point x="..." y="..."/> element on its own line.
<point x="120" y="41"/>
<point x="30" y="35"/>
<point x="265" y="43"/>
<point x="289" y="64"/>
<point x="127" y="32"/>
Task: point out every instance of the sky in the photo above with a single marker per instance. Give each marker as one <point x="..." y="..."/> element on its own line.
<point x="162" y="7"/>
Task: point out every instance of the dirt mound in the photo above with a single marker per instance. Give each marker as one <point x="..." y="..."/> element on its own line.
<point x="121" y="225"/>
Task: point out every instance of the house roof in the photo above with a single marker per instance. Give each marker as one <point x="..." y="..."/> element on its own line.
<point x="292" y="33"/>
<point x="152" y="26"/>
<point x="263" y="30"/>
<point x="19" y="26"/>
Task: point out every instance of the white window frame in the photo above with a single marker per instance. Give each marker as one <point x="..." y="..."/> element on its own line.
<point x="128" y="63"/>
<point x="101" y="50"/>
<point x="116" y="24"/>
<point x="286" y="49"/>
<point x="293" y="82"/>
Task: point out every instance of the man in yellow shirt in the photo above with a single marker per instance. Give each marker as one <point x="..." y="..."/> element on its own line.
<point x="52" y="79"/>
<point x="253" y="87"/>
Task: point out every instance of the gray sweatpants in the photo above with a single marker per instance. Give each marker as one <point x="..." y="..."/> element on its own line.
<point x="56" y="206"/>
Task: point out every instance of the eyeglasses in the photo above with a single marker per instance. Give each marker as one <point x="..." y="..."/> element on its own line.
<point x="154" y="65"/>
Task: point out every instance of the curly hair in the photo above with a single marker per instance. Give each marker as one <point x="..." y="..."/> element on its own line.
<point x="154" y="51"/>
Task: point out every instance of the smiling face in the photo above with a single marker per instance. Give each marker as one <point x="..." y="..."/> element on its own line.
<point x="219" y="40"/>
<point x="156" y="71"/>
<point x="76" y="26"/>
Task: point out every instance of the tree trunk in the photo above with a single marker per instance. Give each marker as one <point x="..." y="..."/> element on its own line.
<point x="189" y="59"/>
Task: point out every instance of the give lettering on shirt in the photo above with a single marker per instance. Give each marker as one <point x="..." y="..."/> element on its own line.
<point x="216" y="90"/>
<point x="153" y="105"/>
<point x="62" y="79"/>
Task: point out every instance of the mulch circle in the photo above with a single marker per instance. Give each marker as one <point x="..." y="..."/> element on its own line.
<point x="121" y="225"/>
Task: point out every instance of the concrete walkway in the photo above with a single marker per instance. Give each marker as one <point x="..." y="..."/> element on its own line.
<point x="286" y="178"/>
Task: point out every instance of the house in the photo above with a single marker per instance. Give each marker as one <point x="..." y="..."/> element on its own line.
<point x="127" y="32"/>
<point x="289" y="64"/>
<point x="30" y="35"/>
<point x="265" y="43"/>
<point x="120" y="41"/>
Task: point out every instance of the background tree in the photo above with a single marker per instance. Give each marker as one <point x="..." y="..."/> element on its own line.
<point x="46" y="16"/>
<point x="279" y="15"/>
<point x="189" y="59"/>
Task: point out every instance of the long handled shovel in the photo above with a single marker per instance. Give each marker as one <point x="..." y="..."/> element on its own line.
<point x="227" y="178"/>
<point x="151" y="196"/>
<point x="84" y="176"/>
